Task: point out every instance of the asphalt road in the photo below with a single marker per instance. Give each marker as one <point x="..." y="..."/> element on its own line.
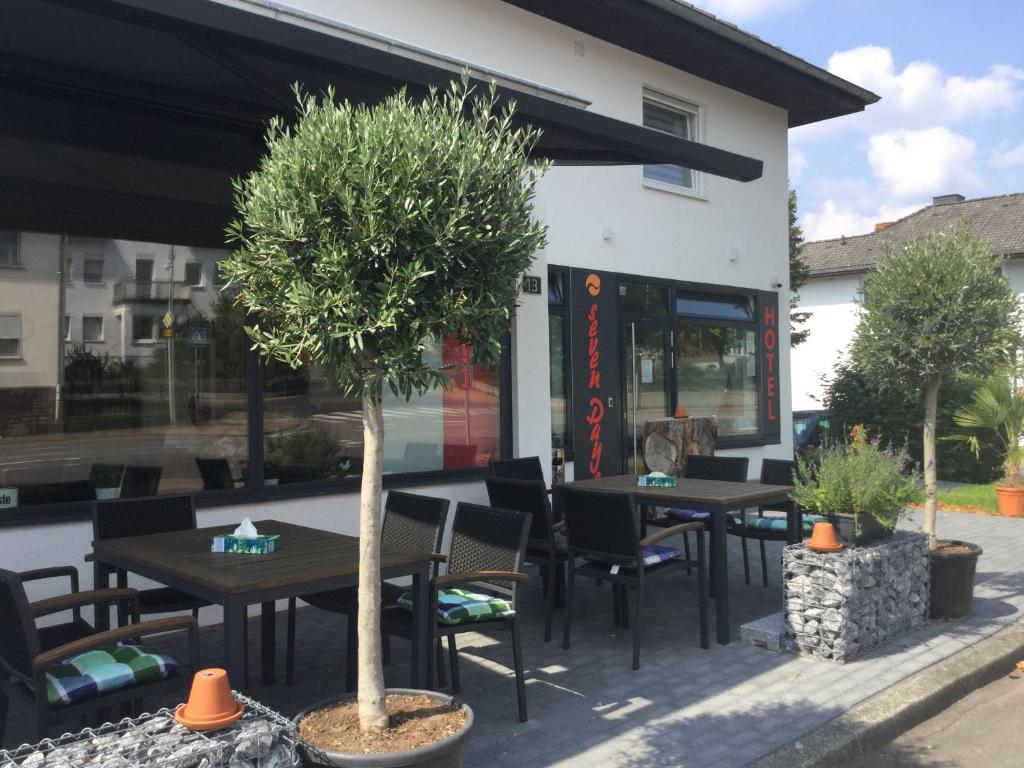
<point x="983" y="730"/>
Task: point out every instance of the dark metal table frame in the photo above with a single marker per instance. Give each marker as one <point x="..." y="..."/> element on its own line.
<point x="129" y="555"/>
<point x="717" y="497"/>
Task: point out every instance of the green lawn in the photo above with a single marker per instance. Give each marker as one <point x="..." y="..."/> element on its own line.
<point x="976" y="497"/>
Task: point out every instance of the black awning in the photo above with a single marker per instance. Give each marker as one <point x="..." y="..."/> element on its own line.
<point x="164" y="101"/>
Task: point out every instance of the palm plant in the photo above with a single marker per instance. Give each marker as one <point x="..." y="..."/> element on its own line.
<point x="997" y="405"/>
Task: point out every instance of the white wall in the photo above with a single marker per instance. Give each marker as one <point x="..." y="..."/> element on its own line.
<point x="831" y="302"/>
<point x="735" y="235"/>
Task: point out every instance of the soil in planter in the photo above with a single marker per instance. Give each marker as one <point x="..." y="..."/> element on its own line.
<point x="952" y="549"/>
<point x="416" y="721"/>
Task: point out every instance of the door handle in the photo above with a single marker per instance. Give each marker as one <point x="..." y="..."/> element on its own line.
<point x="611" y="402"/>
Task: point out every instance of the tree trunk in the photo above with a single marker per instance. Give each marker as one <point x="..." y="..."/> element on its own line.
<point x="931" y="491"/>
<point x="373" y="713"/>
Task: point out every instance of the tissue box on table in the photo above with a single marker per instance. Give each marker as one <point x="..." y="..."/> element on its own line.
<point x="247" y="540"/>
<point x="264" y="544"/>
<point x="656" y="480"/>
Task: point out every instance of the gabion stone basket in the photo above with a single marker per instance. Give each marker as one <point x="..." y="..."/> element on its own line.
<point x="260" y="739"/>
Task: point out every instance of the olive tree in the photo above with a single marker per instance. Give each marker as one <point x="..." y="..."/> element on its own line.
<point x="368" y="233"/>
<point x="931" y="310"/>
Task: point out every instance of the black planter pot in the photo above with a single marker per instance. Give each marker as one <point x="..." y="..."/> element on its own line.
<point x="870" y="529"/>
<point x="952" y="588"/>
<point x="443" y="754"/>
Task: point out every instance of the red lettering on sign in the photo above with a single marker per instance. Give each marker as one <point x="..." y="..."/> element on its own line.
<point x="594" y="418"/>
<point x="596" y="415"/>
<point x="595" y="380"/>
<point x="769" y="315"/>
<point x="770" y="357"/>
<point x="769" y="338"/>
<point x="771" y="386"/>
<point x="771" y="411"/>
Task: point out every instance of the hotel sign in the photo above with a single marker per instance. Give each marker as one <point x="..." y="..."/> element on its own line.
<point x="597" y="427"/>
<point x="768" y="333"/>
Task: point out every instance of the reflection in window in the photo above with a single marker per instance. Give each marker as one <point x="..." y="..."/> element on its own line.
<point x="717" y="375"/>
<point x="678" y="118"/>
<point x="70" y="411"/>
<point x="559" y="384"/>
<point x="648" y="299"/>
<point x="313" y="432"/>
<point x="9" y="256"/>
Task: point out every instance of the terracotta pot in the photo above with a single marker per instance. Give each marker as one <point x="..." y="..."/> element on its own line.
<point x="1010" y="500"/>
<point x="210" y="703"/>
<point x="681" y="412"/>
<point x="446" y="753"/>
<point x="824" y="538"/>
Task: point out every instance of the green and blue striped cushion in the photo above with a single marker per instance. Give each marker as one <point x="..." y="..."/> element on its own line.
<point x="102" y="670"/>
<point x="462" y="606"/>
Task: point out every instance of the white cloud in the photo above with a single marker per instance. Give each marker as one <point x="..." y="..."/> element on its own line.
<point x="919" y="95"/>
<point x="923" y="163"/>
<point x="831" y="220"/>
<point x="738" y="11"/>
<point x="797" y="163"/>
<point x="1007" y="156"/>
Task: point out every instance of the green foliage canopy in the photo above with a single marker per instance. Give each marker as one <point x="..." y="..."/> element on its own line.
<point x="933" y="309"/>
<point x="368" y="231"/>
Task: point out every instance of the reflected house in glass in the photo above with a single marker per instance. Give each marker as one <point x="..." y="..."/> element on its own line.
<point x="666" y="212"/>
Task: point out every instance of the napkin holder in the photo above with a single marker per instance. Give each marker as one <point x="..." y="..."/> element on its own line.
<point x="264" y="544"/>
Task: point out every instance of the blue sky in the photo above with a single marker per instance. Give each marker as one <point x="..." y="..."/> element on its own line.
<point x="951" y="119"/>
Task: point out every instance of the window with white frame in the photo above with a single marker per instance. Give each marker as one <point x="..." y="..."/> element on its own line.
<point x="678" y="118"/>
<point x="67" y="269"/>
<point x="92" y="328"/>
<point x="67" y="327"/>
<point x="10" y="335"/>
<point x="194" y="273"/>
<point x="92" y="271"/>
<point x="9" y="255"/>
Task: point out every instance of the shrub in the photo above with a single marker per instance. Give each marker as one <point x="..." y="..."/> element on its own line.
<point x="858" y="478"/>
<point x="897" y="419"/>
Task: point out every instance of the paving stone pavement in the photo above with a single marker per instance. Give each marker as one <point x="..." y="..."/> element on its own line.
<point x="685" y="706"/>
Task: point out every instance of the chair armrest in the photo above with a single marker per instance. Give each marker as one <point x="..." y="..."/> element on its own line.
<point x="80" y="599"/>
<point x="90" y="557"/>
<point x="462" y="578"/>
<point x="126" y="632"/>
<point x="51" y="573"/>
<point x="675" y="530"/>
<point x="437" y="557"/>
<point x="558" y="527"/>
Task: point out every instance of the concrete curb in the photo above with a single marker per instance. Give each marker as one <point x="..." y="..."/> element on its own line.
<point x="880" y="719"/>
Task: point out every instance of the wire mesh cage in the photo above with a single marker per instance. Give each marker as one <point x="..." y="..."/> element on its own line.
<point x="261" y="738"/>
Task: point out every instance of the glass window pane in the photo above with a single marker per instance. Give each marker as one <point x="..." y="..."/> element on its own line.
<point x="93" y="270"/>
<point x="646" y="299"/>
<point x="559" y="385"/>
<point x="556" y="287"/>
<point x="194" y="274"/>
<point x="9" y="249"/>
<point x="10" y="335"/>
<point x="715" y="306"/>
<point x="679" y="123"/>
<point x="313" y="432"/>
<point x="161" y="404"/>
<point x="717" y="376"/>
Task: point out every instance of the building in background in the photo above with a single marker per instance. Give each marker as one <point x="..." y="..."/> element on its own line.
<point x="838" y="267"/>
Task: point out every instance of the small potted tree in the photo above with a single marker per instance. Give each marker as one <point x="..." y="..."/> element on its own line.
<point x="366" y="234"/>
<point x="860" y="486"/>
<point x="930" y="310"/>
<point x="998" y="406"/>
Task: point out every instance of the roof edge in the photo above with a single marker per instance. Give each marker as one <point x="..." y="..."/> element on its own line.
<point x="753" y="43"/>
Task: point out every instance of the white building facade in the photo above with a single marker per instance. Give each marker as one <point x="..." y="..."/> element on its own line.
<point x="691" y="266"/>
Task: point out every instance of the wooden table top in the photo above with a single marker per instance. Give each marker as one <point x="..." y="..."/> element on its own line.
<point x="306" y="555"/>
<point x="719" y="494"/>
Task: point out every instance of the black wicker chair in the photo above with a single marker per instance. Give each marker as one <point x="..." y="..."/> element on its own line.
<point x="773" y="472"/>
<point x="140" y="482"/>
<point x="216" y="474"/>
<point x="604" y="530"/>
<point x="526" y="468"/>
<point x="410" y="522"/>
<point x="730" y="468"/>
<point x="119" y="518"/>
<point x="546" y="546"/>
<point x="58" y="634"/>
<point x="486" y="554"/>
<point x="26" y="653"/>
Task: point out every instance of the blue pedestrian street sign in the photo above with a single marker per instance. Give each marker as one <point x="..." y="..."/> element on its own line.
<point x="198" y="338"/>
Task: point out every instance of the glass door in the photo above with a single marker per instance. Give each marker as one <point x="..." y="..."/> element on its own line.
<point x="647" y="373"/>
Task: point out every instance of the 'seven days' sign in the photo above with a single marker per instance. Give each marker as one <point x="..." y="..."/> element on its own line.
<point x="8" y="497"/>
<point x="597" y="430"/>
